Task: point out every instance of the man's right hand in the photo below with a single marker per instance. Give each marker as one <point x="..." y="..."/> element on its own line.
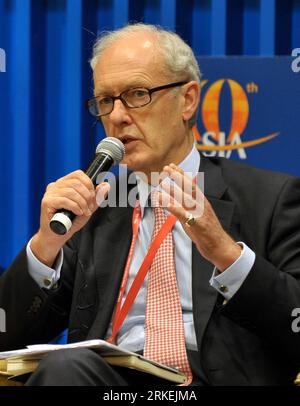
<point x="74" y="192"/>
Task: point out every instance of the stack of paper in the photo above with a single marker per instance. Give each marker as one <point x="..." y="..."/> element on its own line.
<point x="20" y="362"/>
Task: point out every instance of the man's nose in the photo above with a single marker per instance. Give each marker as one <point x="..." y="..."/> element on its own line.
<point x="119" y="114"/>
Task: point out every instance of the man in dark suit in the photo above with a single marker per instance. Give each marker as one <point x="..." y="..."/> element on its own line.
<point x="237" y="256"/>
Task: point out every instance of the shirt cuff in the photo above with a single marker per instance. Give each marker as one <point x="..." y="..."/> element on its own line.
<point x="228" y="282"/>
<point x="44" y="276"/>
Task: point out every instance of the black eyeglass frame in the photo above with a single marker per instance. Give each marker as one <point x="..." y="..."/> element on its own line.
<point x="150" y="91"/>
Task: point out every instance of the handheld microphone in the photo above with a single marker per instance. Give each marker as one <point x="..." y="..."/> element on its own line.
<point x="109" y="151"/>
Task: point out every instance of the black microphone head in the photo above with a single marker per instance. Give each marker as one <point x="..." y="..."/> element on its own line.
<point x="113" y="147"/>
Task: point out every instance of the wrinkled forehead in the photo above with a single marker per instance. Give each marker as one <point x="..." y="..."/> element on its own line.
<point x="136" y="58"/>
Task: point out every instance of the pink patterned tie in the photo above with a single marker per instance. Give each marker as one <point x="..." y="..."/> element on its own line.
<point x="164" y="332"/>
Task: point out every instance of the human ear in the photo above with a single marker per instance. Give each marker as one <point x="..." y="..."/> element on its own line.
<point x="191" y="99"/>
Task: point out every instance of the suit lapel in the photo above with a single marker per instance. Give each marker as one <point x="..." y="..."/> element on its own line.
<point x="204" y="296"/>
<point x="112" y="244"/>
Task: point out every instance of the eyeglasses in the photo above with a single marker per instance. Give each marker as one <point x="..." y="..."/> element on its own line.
<point x="132" y="98"/>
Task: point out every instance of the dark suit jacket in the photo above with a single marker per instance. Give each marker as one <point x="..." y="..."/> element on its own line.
<point x="248" y="341"/>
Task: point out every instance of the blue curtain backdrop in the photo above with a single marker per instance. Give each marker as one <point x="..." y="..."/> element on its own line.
<point x="45" y="131"/>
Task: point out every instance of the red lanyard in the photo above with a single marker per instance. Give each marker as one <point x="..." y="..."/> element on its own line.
<point x="121" y="312"/>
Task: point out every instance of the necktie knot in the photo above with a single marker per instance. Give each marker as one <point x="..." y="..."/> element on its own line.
<point x="159" y="214"/>
<point x="154" y="199"/>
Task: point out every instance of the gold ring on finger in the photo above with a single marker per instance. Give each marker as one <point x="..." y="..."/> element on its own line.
<point x="190" y="220"/>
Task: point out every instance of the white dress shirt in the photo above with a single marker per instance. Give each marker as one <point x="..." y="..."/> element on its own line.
<point x="132" y="335"/>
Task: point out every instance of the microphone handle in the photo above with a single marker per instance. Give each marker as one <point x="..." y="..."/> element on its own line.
<point x="101" y="163"/>
<point x="62" y="220"/>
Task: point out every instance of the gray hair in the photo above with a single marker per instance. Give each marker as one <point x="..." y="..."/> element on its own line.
<point x="179" y="58"/>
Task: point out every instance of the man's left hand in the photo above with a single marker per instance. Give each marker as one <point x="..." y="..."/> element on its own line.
<point x="187" y="202"/>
